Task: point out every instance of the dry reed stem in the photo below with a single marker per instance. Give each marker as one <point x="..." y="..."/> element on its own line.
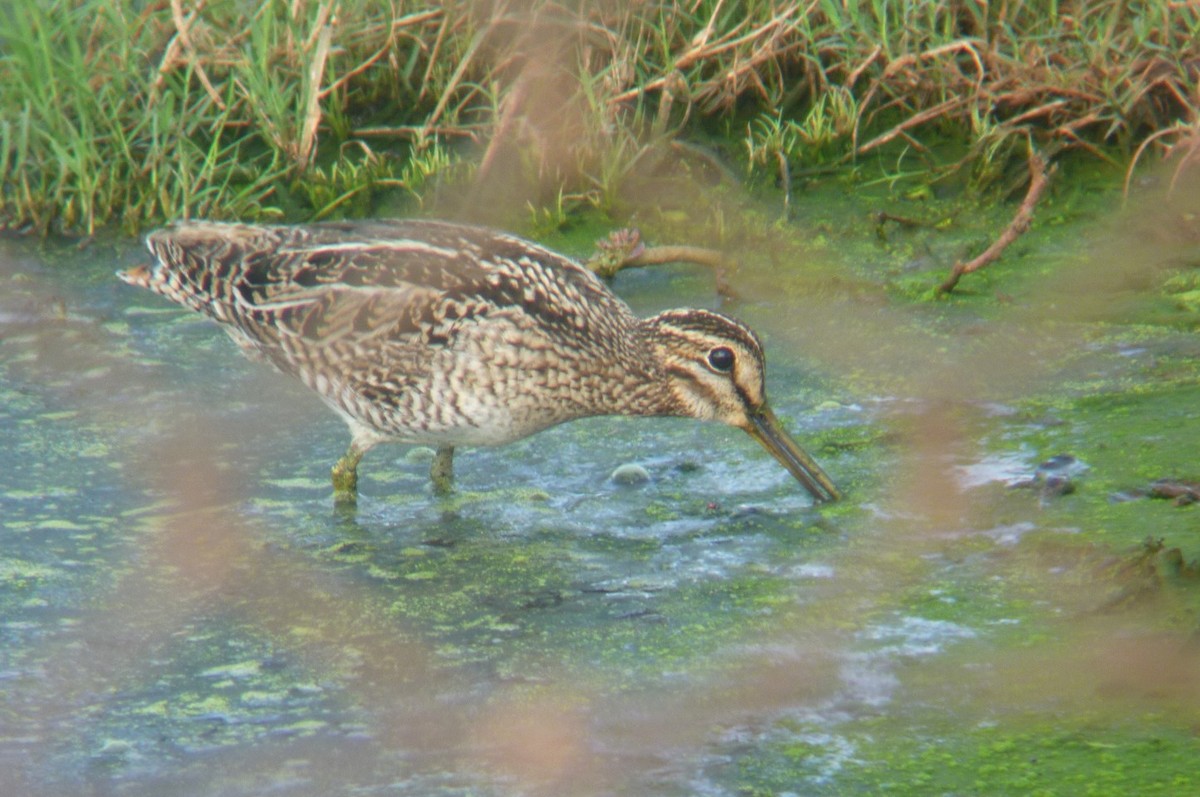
<point x="1041" y="110"/>
<point x="1074" y="139"/>
<point x="714" y="59"/>
<point x="182" y="41"/>
<point x="436" y="51"/>
<point x="1038" y="180"/>
<point x="416" y="132"/>
<point x="855" y="73"/>
<point x="306" y="149"/>
<point x="1191" y="135"/>
<point x="1190" y="155"/>
<point x="912" y="121"/>
<point x="356" y="71"/>
<point x="510" y="106"/>
<point x="703" y="50"/>
<point x="704" y="35"/>
<point x="455" y="79"/>
<point x="785" y="180"/>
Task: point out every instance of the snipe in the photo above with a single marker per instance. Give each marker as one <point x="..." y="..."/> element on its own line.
<point x="448" y="335"/>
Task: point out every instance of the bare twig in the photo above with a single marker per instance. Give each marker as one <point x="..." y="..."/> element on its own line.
<point x="1041" y="110"/>
<point x="702" y="37"/>
<point x="1038" y="180"/>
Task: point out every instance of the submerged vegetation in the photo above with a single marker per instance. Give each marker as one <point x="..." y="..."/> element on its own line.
<point x="131" y="113"/>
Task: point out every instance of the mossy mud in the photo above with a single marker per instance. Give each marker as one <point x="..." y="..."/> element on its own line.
<point x="999" y="606"/>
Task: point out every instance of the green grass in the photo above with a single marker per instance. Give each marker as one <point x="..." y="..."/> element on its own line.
<point x="115" y="112"/>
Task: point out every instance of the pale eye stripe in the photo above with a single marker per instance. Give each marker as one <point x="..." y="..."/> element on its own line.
<point x="699" y="385"/>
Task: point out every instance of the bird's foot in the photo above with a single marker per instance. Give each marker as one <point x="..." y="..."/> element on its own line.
<point x="345" y="478"/>
<point x="441" y="471"/>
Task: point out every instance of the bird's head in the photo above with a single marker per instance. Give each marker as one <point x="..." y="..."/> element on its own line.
<point x="716" y="371"/>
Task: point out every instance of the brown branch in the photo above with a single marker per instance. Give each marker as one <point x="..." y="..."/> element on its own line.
<point x="918" y="118"/>
<point x="658" y="255"/>
<point x="1074" y="140"/>
<point x="624" y="249"/>
<point x="858" y="70"/>
<point x="356" y="71"/>
<point x="1038" y="180"/>
<point x="717" y="261"/>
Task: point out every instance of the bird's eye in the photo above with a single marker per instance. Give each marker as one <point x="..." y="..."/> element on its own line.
<point x="721" y="359"/>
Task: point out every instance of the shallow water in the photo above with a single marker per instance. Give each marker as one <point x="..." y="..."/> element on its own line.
<point x="183" y="612"/>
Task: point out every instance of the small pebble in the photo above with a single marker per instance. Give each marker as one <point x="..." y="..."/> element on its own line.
<point x="420" y="454"/>
<point x="1057" y="462"/>
<point x="115" y="747"/>
<point x="746" y="510"/>
<point x="630" y="475"/>
<point x="1057" y="484"/>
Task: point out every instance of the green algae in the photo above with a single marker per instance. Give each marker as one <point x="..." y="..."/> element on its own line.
<point x="18" y="572"/>
<point x="1024" y="756"/>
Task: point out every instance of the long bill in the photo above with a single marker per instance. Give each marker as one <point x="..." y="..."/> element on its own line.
<point x="764" y="427"/>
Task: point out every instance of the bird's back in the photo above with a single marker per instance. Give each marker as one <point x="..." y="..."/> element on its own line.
<point x="226" y="270"/>
<point x="403" y="324"/>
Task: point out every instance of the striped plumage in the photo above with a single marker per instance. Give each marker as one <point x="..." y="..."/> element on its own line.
<point x="446" y="334"/>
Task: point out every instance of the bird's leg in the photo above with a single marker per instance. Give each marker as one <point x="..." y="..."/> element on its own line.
<point x="345" y="476"/>
<point x="441" y="471"/>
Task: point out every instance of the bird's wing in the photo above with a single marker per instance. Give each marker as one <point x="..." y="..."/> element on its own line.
<point x="360" y="281"/>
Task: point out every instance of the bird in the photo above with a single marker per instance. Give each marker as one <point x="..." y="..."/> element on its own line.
<point x="448" y="334"/>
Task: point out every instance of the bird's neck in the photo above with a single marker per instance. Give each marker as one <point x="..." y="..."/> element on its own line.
<point x="647" y="387"/>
